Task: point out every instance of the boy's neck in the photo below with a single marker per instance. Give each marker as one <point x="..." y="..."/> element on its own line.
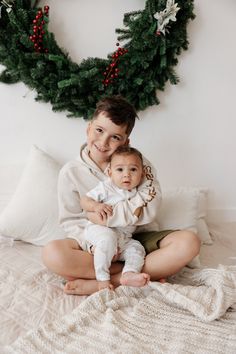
<point x="102" y="164"/>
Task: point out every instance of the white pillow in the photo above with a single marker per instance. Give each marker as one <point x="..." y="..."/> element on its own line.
<point x="185" y="208"/>
<point x="32" y="213"/>
<point x="202" y="228"/>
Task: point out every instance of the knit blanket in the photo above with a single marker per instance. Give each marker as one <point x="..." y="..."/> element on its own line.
<point x="195" y="313"/>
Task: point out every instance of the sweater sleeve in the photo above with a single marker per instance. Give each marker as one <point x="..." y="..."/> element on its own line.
<point x="148" y="197"/>
<point x="71" y="216"/>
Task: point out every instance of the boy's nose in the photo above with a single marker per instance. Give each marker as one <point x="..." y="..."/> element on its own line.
<point x="104" y="141"/>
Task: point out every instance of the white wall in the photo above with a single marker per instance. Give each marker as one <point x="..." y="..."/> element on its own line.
<point x="190" y="136"/>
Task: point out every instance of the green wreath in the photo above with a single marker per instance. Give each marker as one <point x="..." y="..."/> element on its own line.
<point x="154" y="37"/>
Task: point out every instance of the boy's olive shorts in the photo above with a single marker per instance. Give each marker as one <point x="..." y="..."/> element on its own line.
<point x="150" y="240"/>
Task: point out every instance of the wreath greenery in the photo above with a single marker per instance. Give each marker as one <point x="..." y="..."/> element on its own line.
<point x="143" y="66"/>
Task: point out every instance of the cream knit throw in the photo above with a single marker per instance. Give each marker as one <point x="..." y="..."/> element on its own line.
<point x="196" y="315"/>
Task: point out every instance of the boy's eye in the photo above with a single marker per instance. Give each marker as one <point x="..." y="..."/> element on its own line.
<point x="119" y="169"/>
<point x="133" y="169"/>
<point x="99" y="130"/>
<point x="115" y="137"/>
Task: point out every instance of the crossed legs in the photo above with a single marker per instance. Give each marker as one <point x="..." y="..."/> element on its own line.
<point x="65" y="258"/>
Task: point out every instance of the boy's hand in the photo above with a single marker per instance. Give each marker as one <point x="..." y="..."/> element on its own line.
<point x="138" y="211"/>
<point x="103" y="210"/>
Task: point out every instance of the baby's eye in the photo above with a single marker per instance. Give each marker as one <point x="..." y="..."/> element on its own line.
<point x="115" y="137"/>
<point x="99" y="130"/>
<point x="119" y="169"/>
<point x="133" y="169"/>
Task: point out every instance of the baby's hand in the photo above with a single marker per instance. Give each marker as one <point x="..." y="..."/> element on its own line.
<point x="103" y="210"/>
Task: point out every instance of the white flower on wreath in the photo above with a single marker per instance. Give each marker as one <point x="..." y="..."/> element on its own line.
<point x="8" y="4"/>
<point x="164" y="17"/>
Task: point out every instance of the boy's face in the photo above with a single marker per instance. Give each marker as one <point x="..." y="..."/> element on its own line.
<point x="103" y="138"/>
<point x="126" y="171"/>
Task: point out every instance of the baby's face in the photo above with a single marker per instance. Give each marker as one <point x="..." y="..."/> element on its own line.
<point x="126" y="171"/>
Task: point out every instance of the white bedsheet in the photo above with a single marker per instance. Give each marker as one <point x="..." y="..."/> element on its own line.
<point x="30" y="295"/>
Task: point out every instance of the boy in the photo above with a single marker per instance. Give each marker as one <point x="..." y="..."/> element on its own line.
<point x="110" y="128"/>
<point x="126" y="173"/>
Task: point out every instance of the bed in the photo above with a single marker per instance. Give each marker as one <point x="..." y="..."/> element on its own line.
<point x="195" y="312"/>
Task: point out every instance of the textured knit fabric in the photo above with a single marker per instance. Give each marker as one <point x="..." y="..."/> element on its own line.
<point x="197" y="314"/>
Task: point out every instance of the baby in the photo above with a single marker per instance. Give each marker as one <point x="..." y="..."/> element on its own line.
<point x="125" y="174"/>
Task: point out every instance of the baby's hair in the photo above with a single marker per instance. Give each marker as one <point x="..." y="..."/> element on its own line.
<point x="127" y="150"/>
<point x="118" y="110"/>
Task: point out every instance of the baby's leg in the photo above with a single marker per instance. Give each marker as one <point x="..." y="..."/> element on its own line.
<point x="133" y="255"/>
<point x="104" y="241"/>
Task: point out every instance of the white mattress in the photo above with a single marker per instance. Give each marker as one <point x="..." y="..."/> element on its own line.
<point x="30" y="295"/>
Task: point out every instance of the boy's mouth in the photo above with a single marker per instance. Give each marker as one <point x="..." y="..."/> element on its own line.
<point x="100" y="149"/>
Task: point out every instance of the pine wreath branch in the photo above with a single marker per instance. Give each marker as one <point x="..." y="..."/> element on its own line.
<point x="143" y="70"/>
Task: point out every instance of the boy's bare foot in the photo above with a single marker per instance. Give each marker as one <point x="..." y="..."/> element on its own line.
<point x="134" y="279"/>
<point x="105" y="285"/>
<point x="81" y="287"/>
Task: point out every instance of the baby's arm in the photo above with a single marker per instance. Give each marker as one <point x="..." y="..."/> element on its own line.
<point x="101" y="209"/>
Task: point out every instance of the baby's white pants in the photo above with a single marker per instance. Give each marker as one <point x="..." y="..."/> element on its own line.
<point x="106" y="242"/>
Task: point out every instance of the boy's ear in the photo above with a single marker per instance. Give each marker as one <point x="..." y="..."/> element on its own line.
<point x="88" y="127"/>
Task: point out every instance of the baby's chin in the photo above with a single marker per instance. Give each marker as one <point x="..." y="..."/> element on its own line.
<point x="126" y="186"/>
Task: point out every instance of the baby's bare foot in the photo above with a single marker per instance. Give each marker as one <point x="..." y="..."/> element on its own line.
<point x="105" y="285"/>
<point x="134" y="279"/>
<point x="81" y="287"/>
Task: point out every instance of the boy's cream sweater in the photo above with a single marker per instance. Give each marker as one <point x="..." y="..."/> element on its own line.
<point x="77" y="177"/>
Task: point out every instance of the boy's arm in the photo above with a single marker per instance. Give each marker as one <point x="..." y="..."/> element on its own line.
<point x="101" y="209"/>
<point x="71" y="215"/>
<point x="143" y="207"/>
<point x="88" y="204"/>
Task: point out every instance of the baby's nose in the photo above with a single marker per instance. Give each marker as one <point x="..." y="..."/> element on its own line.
<point x="127" y="173"/>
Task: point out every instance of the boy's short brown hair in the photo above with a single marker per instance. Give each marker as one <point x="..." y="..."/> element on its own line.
<point x="118" y="110"/>
<point x="127" y="150"/>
